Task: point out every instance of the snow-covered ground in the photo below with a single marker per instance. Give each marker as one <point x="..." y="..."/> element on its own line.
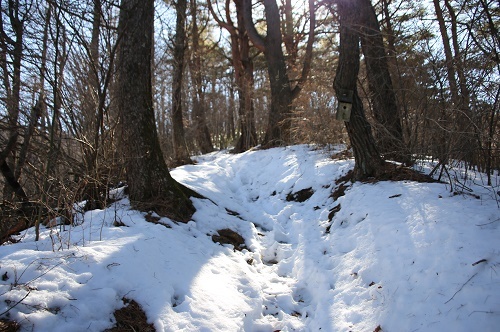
<point x="397" y="256"/>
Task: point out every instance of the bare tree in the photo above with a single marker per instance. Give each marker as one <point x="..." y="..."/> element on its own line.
<point x="202" y="134"/>
<point x="280" y="113"/>
<point x="243" y="71"/>
<point x="11" y="54"/>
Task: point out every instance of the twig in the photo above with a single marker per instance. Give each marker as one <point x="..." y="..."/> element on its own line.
<point x="44" y="273"/>
<point x="479" y="261"/>
<point x="461" y="287"/>
<point x="21" y="300"/>
<point x="489" y="223"/>
<point x="481" y="311"/>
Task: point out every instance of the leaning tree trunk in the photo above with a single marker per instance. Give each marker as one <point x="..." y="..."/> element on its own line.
<point x="385" y="107"/>
<point x="149" y="182"/>
<point x="367" y="158"/>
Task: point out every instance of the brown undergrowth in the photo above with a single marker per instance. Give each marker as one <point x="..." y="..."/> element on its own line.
<point x="131" y="318"/>
<point x="9" y="326"/>
<point x="393" y="172"/>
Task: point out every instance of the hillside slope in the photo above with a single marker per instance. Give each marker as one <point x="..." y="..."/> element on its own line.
<point x="390" y="256"/>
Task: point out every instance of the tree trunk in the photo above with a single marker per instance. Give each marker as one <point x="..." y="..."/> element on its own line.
<point x="385" y="108"/>
<point x="462" y="137"/>
<point x="394" y="62"/>
<point x="9" y="176"/>
<point x="149" y="182"/>
<point x="368" y="162"/>
<point x="202" y="134"/>
<point x="447" y="52"/>
<point x="40" y="107"/>
<point x="181" y="153"/>
<point x="278" y="130"/>
<point x="467" y="126"/>
<point x="279" y="123"/>
<point x="245" y="83"/>
<point x="230" y="131"/>
<point x="12" y="47"/>
<point x="243" y="73"/>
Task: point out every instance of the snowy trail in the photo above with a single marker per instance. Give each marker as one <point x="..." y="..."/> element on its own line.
<point x="397" y="256"/>
<point x="287" y="235"/>
<point x="383" y="263"/>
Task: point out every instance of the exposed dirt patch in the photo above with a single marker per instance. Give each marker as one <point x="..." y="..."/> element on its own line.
<point x="343" y="155"/>
<point x="393" y="172"/>
<point x="173" y="163"/>
<point x="332" y="214"/>
<point x="131" y="318"/>
<point x="334" y="211"/>
<point x="345" y="178"/>
<point x="228" y="236"/>
<point x="16" y="218"/>
<point x="9" y="326"/>
<point x="300" y="196"/>
<point x="339" y="192"/>
<point x="234" y="213"/>
<point x="154" y="219"/>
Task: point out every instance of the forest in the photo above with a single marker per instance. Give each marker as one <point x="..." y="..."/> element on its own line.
<point x="421" y="77"/>
<point x="249" y="165"/>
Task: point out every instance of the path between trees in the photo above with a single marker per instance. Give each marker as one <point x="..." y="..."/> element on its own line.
<point x="288" y="235"/>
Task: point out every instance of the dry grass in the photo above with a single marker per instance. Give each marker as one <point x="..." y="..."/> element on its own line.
<point x="131" y="318"/>
<point x="9" y="326"/>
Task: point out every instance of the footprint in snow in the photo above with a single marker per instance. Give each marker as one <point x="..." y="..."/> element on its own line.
<point x="177" y="300"/>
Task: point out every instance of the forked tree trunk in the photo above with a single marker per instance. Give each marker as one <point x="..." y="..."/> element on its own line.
<point x="367" y="158"/>
<point x="149" y="182"/>
<point x="278" y="130"/>
<point x="462" y="135"/>
<point x="243" y="73"/>
<point x="279" y="123"/>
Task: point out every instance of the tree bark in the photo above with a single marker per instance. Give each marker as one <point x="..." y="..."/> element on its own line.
<point x="462" y="138"/>
<point x="447" y="52"/>
<point x="12" y="47"/>
<point x="245" y="84"/>
<point x="368" y="162"/>
<point x="202" y="134"/>
<point x="149" y="182"/>
<point x="8" y="174"/>
<point x="385" y="107"/>
<point x="278" y="130"/>
<point x="243" y="73"/>
<point x="181" y="153"/>
<point x="467" y="126"/>
<point x="279" y="121"/>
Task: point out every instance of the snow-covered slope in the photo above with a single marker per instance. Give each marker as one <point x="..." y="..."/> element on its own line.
<point x="397" y="256"/>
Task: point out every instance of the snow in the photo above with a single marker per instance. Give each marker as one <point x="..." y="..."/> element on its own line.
<point x="402" y="256"/>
